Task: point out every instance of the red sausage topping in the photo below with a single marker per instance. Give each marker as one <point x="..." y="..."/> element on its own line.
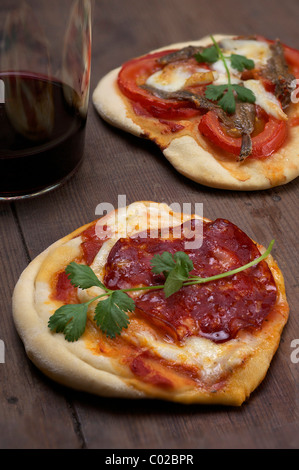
<point x="217" y="309"/>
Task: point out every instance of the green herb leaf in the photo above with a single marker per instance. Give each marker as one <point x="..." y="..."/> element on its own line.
<point x="166" y="261"/>
<point x="244" y="94"/>
<point x="183" y="260"/>
<point x="240" y="62"/>
<point x="178" y="274"/>
<point x="215" y="92"/>
<point x="227" y="102"/>
<point x="175" y="280"/>
<point x="69" y="319"/>
<point x="162" y="263"/>
<point x="82" y="276"/>
<point x="225" y="97"/>
<point x="111" y="314"/>
<point x="209" y="55"/>
<point x="175" y="268"/>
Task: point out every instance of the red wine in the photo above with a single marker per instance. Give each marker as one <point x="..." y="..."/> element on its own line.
<point x="41" y="134"/>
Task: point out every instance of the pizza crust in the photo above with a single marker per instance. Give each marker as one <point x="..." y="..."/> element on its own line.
<point x="66" y="363"/>
<point x="192" y="160"/>
<point x="77" y="365"/>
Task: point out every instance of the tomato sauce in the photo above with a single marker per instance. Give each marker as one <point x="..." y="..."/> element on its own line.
<point x="171" y="126"/>
<point x="149" y="374"/>
<point x="294" y="121"/>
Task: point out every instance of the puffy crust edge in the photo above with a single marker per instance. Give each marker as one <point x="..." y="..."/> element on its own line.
<point x="50" y="352"/>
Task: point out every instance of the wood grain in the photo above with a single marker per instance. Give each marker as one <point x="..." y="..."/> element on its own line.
<point x="35" y="412"/>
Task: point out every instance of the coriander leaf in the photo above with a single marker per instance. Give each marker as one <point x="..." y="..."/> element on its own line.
<point x="166" y="262"/>
<point x="244" y="94"/>
<point x="173" y="282"/>
<point x="184" y="261"/>
<point x="227" y="102"/>
<point x="163" y="263"/>
<point x="82" y="276"/>
<point x="240" y="62"/>
<point x="215" y="92"/>
<point x="178" y="274"/>
<point x="111" y="313"/>
<point x="222" y="58"/>
<point x="210" y="55"/>
<point x="69" y="319"/>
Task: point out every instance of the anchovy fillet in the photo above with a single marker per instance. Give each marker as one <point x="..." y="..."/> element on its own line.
<point x="182" y="54"/>
<point x="277" y="72"/>
<point x="242" y="120"/>
<point x="181" y="95"/>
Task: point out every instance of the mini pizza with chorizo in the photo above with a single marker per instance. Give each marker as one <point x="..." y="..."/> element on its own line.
<point x="223" y="109"/>
<point x="151" y="303"/>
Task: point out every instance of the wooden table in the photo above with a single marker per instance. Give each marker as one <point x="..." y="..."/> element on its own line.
<point x="37" y="413"/>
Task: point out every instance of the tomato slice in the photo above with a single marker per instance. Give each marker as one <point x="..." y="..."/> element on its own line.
<point x="264" y="144"/>
<point x="135" y="73"/>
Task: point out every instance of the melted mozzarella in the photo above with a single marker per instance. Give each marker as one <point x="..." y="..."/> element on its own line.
<point x="173" y="78"/>
<point x="222" y="79"/>
<point x="265" y="99"/>
<point x="258" y="51"/>
<point x="210" y="359"/>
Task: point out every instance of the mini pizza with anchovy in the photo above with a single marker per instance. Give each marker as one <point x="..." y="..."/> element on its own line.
<point x="150" y="303"/>
<point x="223" y="110"/>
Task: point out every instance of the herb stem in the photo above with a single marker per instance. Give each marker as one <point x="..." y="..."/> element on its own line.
<point x="201" y="280"/>
<point x="196" y="279"/>
<point x="223" y="60"/>
<point x="143" y="288"/>
<point x="109" y="292"/>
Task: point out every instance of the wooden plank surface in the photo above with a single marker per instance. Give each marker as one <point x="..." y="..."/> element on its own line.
<point x="37" y="413"/>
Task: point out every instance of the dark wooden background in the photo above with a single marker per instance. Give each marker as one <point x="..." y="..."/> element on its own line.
<point x="37" y="413"/>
